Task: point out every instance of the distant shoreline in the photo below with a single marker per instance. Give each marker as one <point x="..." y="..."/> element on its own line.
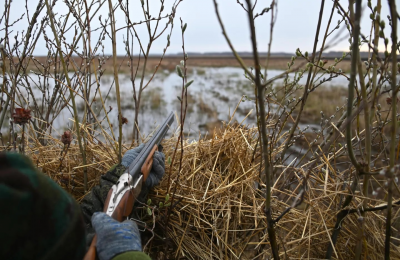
<point x="278" y="61"/>
<point x="274" y="55"/>
<point x="228" y="55"/>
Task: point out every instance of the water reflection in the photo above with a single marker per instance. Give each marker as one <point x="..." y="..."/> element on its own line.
<point x="212" y="98"/>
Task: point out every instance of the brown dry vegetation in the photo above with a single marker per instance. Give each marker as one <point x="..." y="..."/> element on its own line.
<point x="219" y="210"/>
<point x="169" y="63"/>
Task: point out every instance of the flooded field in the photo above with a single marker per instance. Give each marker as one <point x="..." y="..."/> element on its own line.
<point x="212" y="98"/>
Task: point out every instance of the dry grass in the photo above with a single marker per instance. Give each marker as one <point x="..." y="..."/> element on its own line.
<point x="323" y="99"/>
<point x="220" y="210"/>
<point x="64" y="164"/>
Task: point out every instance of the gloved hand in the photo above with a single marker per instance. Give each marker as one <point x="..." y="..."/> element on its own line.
<point x="113" y="237"/>
<point x="158" y="169"/>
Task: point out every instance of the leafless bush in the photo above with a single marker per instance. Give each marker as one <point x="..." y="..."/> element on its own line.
<point x="68" y="81"/>
<point x="371" y="151"/>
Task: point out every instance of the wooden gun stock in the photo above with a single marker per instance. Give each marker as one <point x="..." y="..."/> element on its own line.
<point x="125" y="206"/>
<point x="148" y="163"/>
<point x="91" y="253"/>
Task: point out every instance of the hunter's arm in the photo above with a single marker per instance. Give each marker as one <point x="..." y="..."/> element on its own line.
<point x="94" y="201"/>
<point x="132" y="255"/>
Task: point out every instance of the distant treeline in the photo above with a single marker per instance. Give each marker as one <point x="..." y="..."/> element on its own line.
<point x="275" y="55"/>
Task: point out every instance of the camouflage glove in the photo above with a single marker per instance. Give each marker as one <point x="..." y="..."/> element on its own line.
<point x="157" y="171"/>
<point x="113" y="237"/>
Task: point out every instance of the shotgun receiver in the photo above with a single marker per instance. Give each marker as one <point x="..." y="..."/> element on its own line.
<point x="122" y="195"/>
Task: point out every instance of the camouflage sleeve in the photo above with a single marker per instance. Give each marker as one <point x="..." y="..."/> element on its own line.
<point x="94" y="201"/>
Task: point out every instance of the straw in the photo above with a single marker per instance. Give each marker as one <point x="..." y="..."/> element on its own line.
<point x="220" y="200"/>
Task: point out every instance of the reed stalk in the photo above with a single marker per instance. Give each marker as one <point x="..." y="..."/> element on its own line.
<point x="116" y="79"/>
<point x="393" y="143"/>
<point x="71" y="92"/>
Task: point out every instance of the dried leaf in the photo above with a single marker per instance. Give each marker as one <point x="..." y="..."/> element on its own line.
<point x="124" y="120"/>
<point x="66" y="138"/>
<point x="21" y="116"/>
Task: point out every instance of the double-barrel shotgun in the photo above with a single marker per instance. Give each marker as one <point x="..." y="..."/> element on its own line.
<point x="121" y="197"/>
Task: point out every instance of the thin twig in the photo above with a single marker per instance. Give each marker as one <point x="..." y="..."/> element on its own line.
<point x="264" y="139"/>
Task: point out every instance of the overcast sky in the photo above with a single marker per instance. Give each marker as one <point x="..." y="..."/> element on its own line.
<point x="295" y="27"/>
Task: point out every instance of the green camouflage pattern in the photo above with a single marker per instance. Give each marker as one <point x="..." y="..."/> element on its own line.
<point x="94" y="201"/>
<point x="39" y="219"/>
<point x="132" y="255"/>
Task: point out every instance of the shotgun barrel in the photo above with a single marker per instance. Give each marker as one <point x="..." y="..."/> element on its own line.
<point x="133" y="177"/>
<point x="135" y="167"/>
